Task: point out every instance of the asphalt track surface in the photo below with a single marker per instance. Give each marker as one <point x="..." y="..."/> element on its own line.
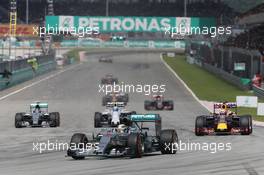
<point x="74" y="93"/>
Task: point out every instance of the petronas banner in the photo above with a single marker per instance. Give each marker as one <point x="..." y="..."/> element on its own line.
<point x="123" y="24"/>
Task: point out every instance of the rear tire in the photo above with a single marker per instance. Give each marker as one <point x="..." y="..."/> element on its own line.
<point x="147" y="105"/>
<point x="18" y="120"/>
<point x="135" y="144"/>
<point x="115" y="80"/>
<point x="97" y="120"/>
<point x="103" y="81"/>
<point x="78" y="140"/>
<point x="126" y="98"/>
<point x="171" y="103"/>
<point x="105" y="100"/>
<point x="168" y="141"/>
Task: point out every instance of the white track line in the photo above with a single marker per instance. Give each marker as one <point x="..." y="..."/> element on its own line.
<point x="256" y="123"/>
<point x="183" y="83"/>
<point x="37" y="82"/>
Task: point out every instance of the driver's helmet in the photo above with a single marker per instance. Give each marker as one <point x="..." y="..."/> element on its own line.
<point x="223" y="110"/>
<point x="37" y="108"/>
<point x="115" y="109"/>
<point x="121" y="128"/>
<point x="158" y="97"/>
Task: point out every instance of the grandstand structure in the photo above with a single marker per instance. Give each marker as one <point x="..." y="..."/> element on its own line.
<point x="252" y="23"/>
<point x="253" y="16"/>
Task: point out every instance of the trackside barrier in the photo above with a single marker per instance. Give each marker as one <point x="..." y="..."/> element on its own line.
<point x="23" y="71"/>
<point x="232" y="79"/>
<point x="123" y="44"/>
<point x="226" y="58"/>
<point x="258" y="91"/>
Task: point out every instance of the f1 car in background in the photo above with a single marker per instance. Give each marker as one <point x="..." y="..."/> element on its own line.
<point x="133" y="139"/>
<point x="223" y="121"/>
<point x="115" y="97"/>
<point x="38" y="116"/>
<point x="105" y="60"/>
<point x="112" y="116"/>
<point x="158" y="103"/>
<point x="109" y="79"/>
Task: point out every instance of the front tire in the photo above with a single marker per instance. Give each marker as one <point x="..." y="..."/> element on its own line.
<point x="57" y="118"/>
<point x="78" y="141"/>
<point x="54" y="118"/>
<point x="97" y="120"/>
<point x="168" y="141"/>
<point x="199" y="125"/>
<point x="245" y="123"/>
<point x="18" y="120"/>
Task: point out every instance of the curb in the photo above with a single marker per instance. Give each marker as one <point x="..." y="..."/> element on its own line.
<point x="255" y="123"/>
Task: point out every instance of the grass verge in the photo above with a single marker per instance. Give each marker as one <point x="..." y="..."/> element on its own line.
<point x="207" y="86"/>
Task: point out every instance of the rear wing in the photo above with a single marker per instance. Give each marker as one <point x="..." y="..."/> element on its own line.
<point x="112" y="104"/>
<point x="41" y="105"/>
<point x="155" y="96"/>
<point x="225" y="106"/>
<point x="144" y="117"/>
<point x="147" y="118"/>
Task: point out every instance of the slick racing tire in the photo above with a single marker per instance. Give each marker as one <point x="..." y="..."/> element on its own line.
<point x="115" y="80"/>
<point x="126" y="98"/>
<point x="57" y="118"/>
<point x="251" y="125"/>
<point x="97" y="120"/>
<point x="54" y="119"/>
<point x="170" y="103"/>
<point x="135" y="144"/>
<point x="147" y="105"/>
<point x="103" y="81"/>
<point x="105" y="100"/>
<point x="199" y="124"/>
<point x="245" y="122"/>
<point x="78" y="141"/>
<point x="168" y="141"/>
<point x="18" y="120"/>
